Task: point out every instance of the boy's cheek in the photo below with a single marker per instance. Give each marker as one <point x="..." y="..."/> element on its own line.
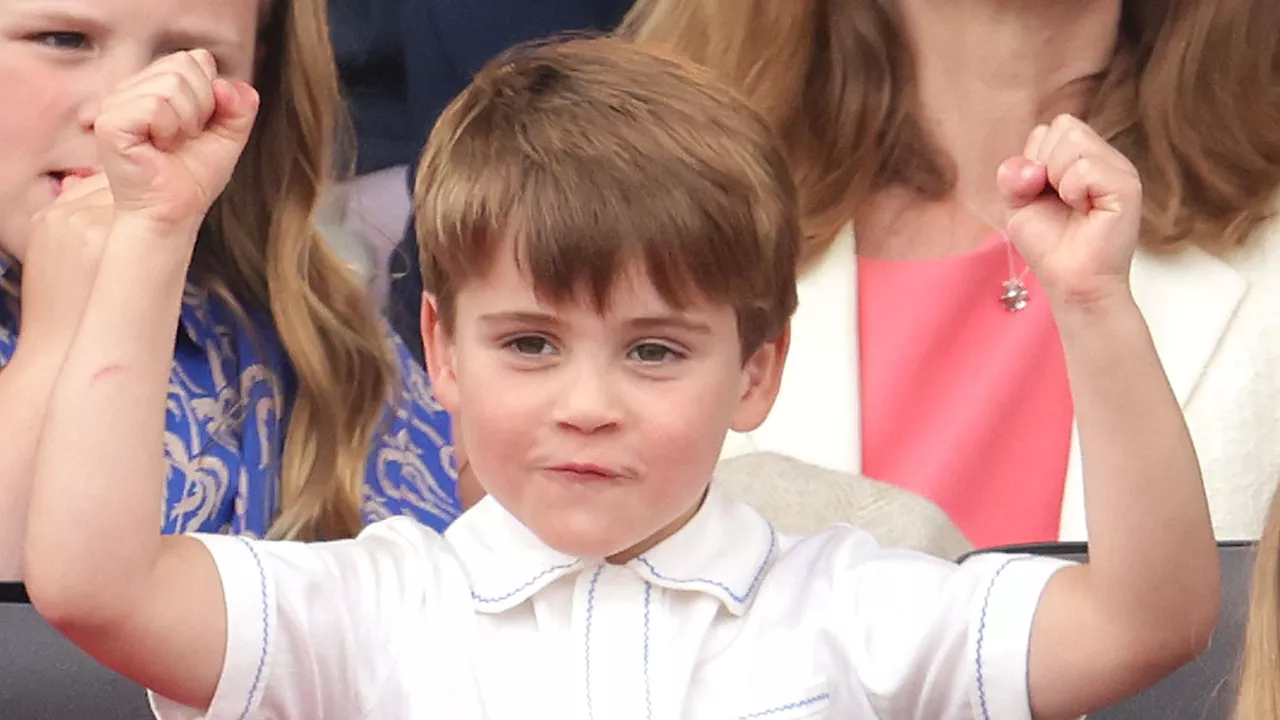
<point x="470" y="491"/>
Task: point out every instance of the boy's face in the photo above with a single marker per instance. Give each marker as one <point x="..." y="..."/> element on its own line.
<point x="599" y="432"/>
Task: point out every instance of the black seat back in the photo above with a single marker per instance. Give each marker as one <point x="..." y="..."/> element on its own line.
<point x="1205" y="688"/>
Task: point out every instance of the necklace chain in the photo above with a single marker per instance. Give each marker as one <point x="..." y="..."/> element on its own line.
<point x="1013" y="291"/>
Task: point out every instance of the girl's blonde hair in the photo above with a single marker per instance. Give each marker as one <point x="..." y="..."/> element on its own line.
<point x="1191" y="96"/>
<point x="1259" y="695"/>
<point x="260" y="251"/>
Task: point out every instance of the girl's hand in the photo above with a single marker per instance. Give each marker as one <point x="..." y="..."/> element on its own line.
<point x="62" y="261"/>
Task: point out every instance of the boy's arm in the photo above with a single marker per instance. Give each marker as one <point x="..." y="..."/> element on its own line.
<point x="97" y="567"/>
<point x="1012" y="636"/>
<point x="1147" y="600"/>
<point x="223" y="625"/>
<point x="147" y="606"/>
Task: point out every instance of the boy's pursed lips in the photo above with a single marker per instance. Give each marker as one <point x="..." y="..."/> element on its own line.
<point x="588" y="472"/>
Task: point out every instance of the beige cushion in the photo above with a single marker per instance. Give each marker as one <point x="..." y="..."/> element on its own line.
<point x="801" y="499"/>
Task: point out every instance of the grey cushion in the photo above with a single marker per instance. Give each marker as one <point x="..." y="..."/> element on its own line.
<point x="45" y="677"/>
<point x="802" y="499"/>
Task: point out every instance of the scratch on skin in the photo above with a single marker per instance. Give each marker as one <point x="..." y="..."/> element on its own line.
<point x="106" y="372"/>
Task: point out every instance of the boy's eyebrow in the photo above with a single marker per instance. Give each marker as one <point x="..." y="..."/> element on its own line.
<point x="518" y="317"/>
<point x="645" y="323"/>
<point x="667" y="322"/>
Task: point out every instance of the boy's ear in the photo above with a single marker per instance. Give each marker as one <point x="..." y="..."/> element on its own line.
<point x="761" y="379"/>
<point x="438" y="347"/>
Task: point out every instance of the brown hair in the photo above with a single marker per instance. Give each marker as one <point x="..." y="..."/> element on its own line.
<point x="1259" y="696"/>
<point x="1191" y="97"/>
<point x="260" y="250"/>
<point x="591" y="154"/>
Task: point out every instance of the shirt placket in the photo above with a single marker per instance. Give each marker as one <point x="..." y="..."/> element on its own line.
<point x="613" y="611"/>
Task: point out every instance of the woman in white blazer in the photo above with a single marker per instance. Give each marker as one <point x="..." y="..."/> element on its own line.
<point x="896" y="114"/>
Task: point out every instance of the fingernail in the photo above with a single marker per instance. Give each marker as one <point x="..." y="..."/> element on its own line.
<point x="206" y="58"/>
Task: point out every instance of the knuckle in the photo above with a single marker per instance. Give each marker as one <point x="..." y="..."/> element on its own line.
<point x="169" y="85"/>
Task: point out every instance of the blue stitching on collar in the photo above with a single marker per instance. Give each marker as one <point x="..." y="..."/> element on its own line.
<point x="740" y="599"/>
<point x="554" y="568"/>
<point x="789" y="706"/>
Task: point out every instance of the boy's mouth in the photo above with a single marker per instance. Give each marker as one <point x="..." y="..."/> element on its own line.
<point x="586" y="472"/>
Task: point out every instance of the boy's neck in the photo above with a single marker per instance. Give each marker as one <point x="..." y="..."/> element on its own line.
<point x="657" y="538"/>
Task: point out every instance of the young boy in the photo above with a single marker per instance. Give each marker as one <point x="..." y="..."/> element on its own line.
<point x="609" y="240"/>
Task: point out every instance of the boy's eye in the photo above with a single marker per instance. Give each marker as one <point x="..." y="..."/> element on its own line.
<point x="530" y="345"/>
<point x="62" y="40"/>
<point x="653" y="353"/>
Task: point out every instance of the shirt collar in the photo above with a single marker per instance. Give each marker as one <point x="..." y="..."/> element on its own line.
<point x="723" y="551"/>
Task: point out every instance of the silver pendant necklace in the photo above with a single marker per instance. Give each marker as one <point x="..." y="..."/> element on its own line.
<point x="1014" y="295"/>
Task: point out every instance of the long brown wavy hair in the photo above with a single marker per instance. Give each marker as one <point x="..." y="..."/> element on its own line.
<point x="1259" y="696"/>
<point x="260" y="250"/>
<point x="1192" y="97"/>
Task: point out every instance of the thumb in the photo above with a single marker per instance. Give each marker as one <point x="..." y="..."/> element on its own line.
<point x="235" y="110"/>
<point x="1021" y="180"/>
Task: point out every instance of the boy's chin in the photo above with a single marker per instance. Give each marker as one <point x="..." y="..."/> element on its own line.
<point x="607" y="533"/>
<point x="605" y="545"/>
<point x="599" y="541"/>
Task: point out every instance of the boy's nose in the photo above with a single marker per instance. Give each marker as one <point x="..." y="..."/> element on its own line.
<point x="588" y="403"/>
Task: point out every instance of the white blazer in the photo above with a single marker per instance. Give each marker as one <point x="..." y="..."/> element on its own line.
<point x="1216" y="325"/>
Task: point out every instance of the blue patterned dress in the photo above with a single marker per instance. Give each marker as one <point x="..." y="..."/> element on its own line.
<point x="229" y="398"/>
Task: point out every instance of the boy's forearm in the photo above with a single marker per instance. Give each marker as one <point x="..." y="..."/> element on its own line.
<point x="26" y="384"/>
<point x="94" y="517"/>
<point x="1144" y="493"/>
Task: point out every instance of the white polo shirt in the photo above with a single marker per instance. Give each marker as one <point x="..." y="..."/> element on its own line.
<point x="726" y="620"/>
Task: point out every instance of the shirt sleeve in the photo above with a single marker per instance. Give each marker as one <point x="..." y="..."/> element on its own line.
<point x="931" y="640"/>
<point x="312" y="628"/>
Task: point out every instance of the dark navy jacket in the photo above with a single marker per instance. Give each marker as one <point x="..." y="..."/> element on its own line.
<point x="402" y="61"/>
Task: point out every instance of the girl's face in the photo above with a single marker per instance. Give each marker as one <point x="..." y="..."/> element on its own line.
<point x="59" y="58"/>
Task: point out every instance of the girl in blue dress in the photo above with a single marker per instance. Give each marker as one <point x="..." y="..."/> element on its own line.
<point x="293" y="411"/>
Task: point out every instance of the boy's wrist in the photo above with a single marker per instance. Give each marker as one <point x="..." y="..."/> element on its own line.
<point x="1112" y="301"/>
<point x="1106" y="323"/>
